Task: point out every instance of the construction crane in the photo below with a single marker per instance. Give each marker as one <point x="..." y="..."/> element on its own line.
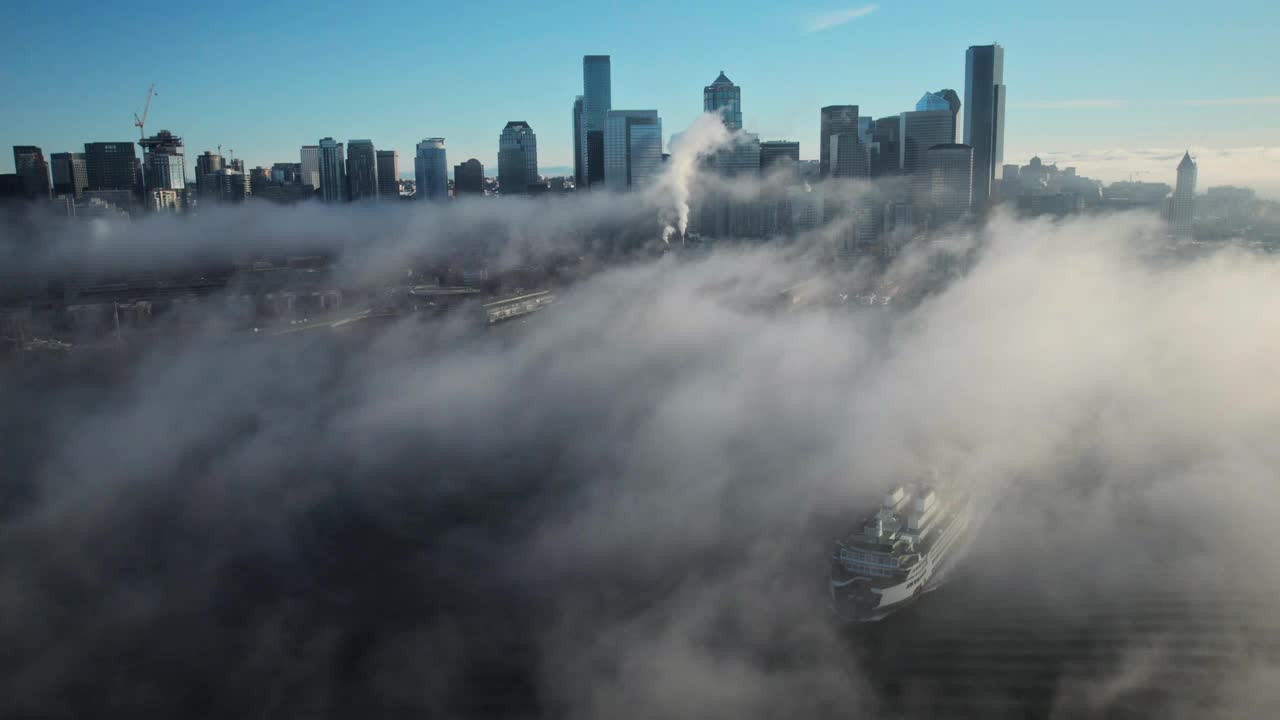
<point x="141" y="122"/>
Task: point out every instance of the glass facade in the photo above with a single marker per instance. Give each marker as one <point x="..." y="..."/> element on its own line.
<point x="835" y="120"/>
<point x="922" y="130"/>
<point x="517" y="158"/>
<point x="311" y="165"/>
<point x="111" y="165"/>
<point x="389" y="174"/>
<point x="984" y="101"/>
<point x="70" y="174"/>
<point x="724" y="98"/>
<point x="468" y="178"/>
<point x="948" y="172"/>
<point x="164" y="165"/>
<point x="597" y="100"/>
<point x="333" y="171"/>
<point x="431" y="170"/>
<point x="579" y="145"/>
<point x="362" y="170"/>
<point x="620" y="144"/>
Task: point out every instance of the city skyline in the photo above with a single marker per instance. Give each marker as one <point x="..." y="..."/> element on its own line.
<point x="1055" y="107"/>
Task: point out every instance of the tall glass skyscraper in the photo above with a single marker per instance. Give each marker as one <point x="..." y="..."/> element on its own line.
<point x="725" y="98"/>
<point x="632" y="149"/>
<point x="948" y="173"/>
<point x="431" y="170"/>
<point x="111" y="165"/>
<point x="333" y="171"/>
<point x="835" y="120"/>
<point x="70" y="174"/>
<point x="32" y="171"/>
<point x="517" y="158"/>
<point x="163" y="162"/>
<point x="311" y="165"/>
<point x="579" y="168"/>
<point x="597" y="100"/>
<point x="984" y="100"/>
<point x="1182" y="207"/>
<point x="389" y="174"/>
<point x="362" y="170"/>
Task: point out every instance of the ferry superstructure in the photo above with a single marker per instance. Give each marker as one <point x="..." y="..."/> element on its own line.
<point x="900" y="551"/>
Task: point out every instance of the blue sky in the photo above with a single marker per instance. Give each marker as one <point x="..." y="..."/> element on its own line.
<point x="268" y="76"/>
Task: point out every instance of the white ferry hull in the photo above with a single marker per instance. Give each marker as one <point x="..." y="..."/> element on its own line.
<point x="857" y="601"/>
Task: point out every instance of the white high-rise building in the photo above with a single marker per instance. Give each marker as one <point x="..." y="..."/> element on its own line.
<point x="431" y="170"/>
<point x="632" y="149"/>
<point x="311" y="165"/>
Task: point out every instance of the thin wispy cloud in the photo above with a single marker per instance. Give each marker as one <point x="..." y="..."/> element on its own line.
<point x="1258" y="100"/>
<point x="840" y="17"/>
<point x="1087" y="103"/>
<point x="1071" y="104"/>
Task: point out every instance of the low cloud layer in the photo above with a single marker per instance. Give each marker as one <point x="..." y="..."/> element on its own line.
<point x="623" y="507"/>
<point x="1252" y="167"/>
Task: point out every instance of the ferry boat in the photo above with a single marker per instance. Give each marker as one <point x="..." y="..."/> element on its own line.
<point x="903" y="549"/>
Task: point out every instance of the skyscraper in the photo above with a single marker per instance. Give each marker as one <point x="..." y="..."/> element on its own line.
<point x="32" y="171"/>
<point x="362" y="170"/>
<point x="921" y="130"/>
<point x="725" y="98"/>
<point x="311" y="165"/>
<point x="835" y="120"/>
<point x="111" y="166"/>
<point x="632" y="149"/>
<point x="579" y="167"/>
<point x="517" y="158"/>
<point x="948" y="176"/>
<point x="779" y="152"/>
<point x="888" y="134"/>
<point x="333" y="171"/>
<point x="389" y="174"/>
<point x="984" y="100"/>
<point x="70" y="173"/>
<point x="163" y="162"/>
<point x="1182" y="206"/>
<point x="468" y="178"/>
<point x="941" y="100"/>
<point x="597" y="100"/>
<point x="431" y="170"/>
<point x="208" y="182"/>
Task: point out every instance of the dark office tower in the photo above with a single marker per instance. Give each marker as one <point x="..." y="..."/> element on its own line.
<point x="948" y="172"/>
<point x="836" y="120"/>
<point x="389" y="174"/>
<point x="259" y="180"/>
<point x="850" y="158"/>
<point x="111" y="166"/>
<point x="163" y="162"/>
<point x="32" y="169"/>
<point x="518" y="158"/>
<point x="724" y="98"/>
<point x="1182" y="206"/>
<point x="468" y="178"/>
<point x="333" y="171"/>
<point x="773" y="152"/>
<point x="362" y="170"/>
<point x="597" y="101"/>
<point x="208" y="181"/>
<point x="887" y="133"/>
<point x="579" y="168"/>
<point x="70" y="174"/>
<point x="984" y="100"/>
